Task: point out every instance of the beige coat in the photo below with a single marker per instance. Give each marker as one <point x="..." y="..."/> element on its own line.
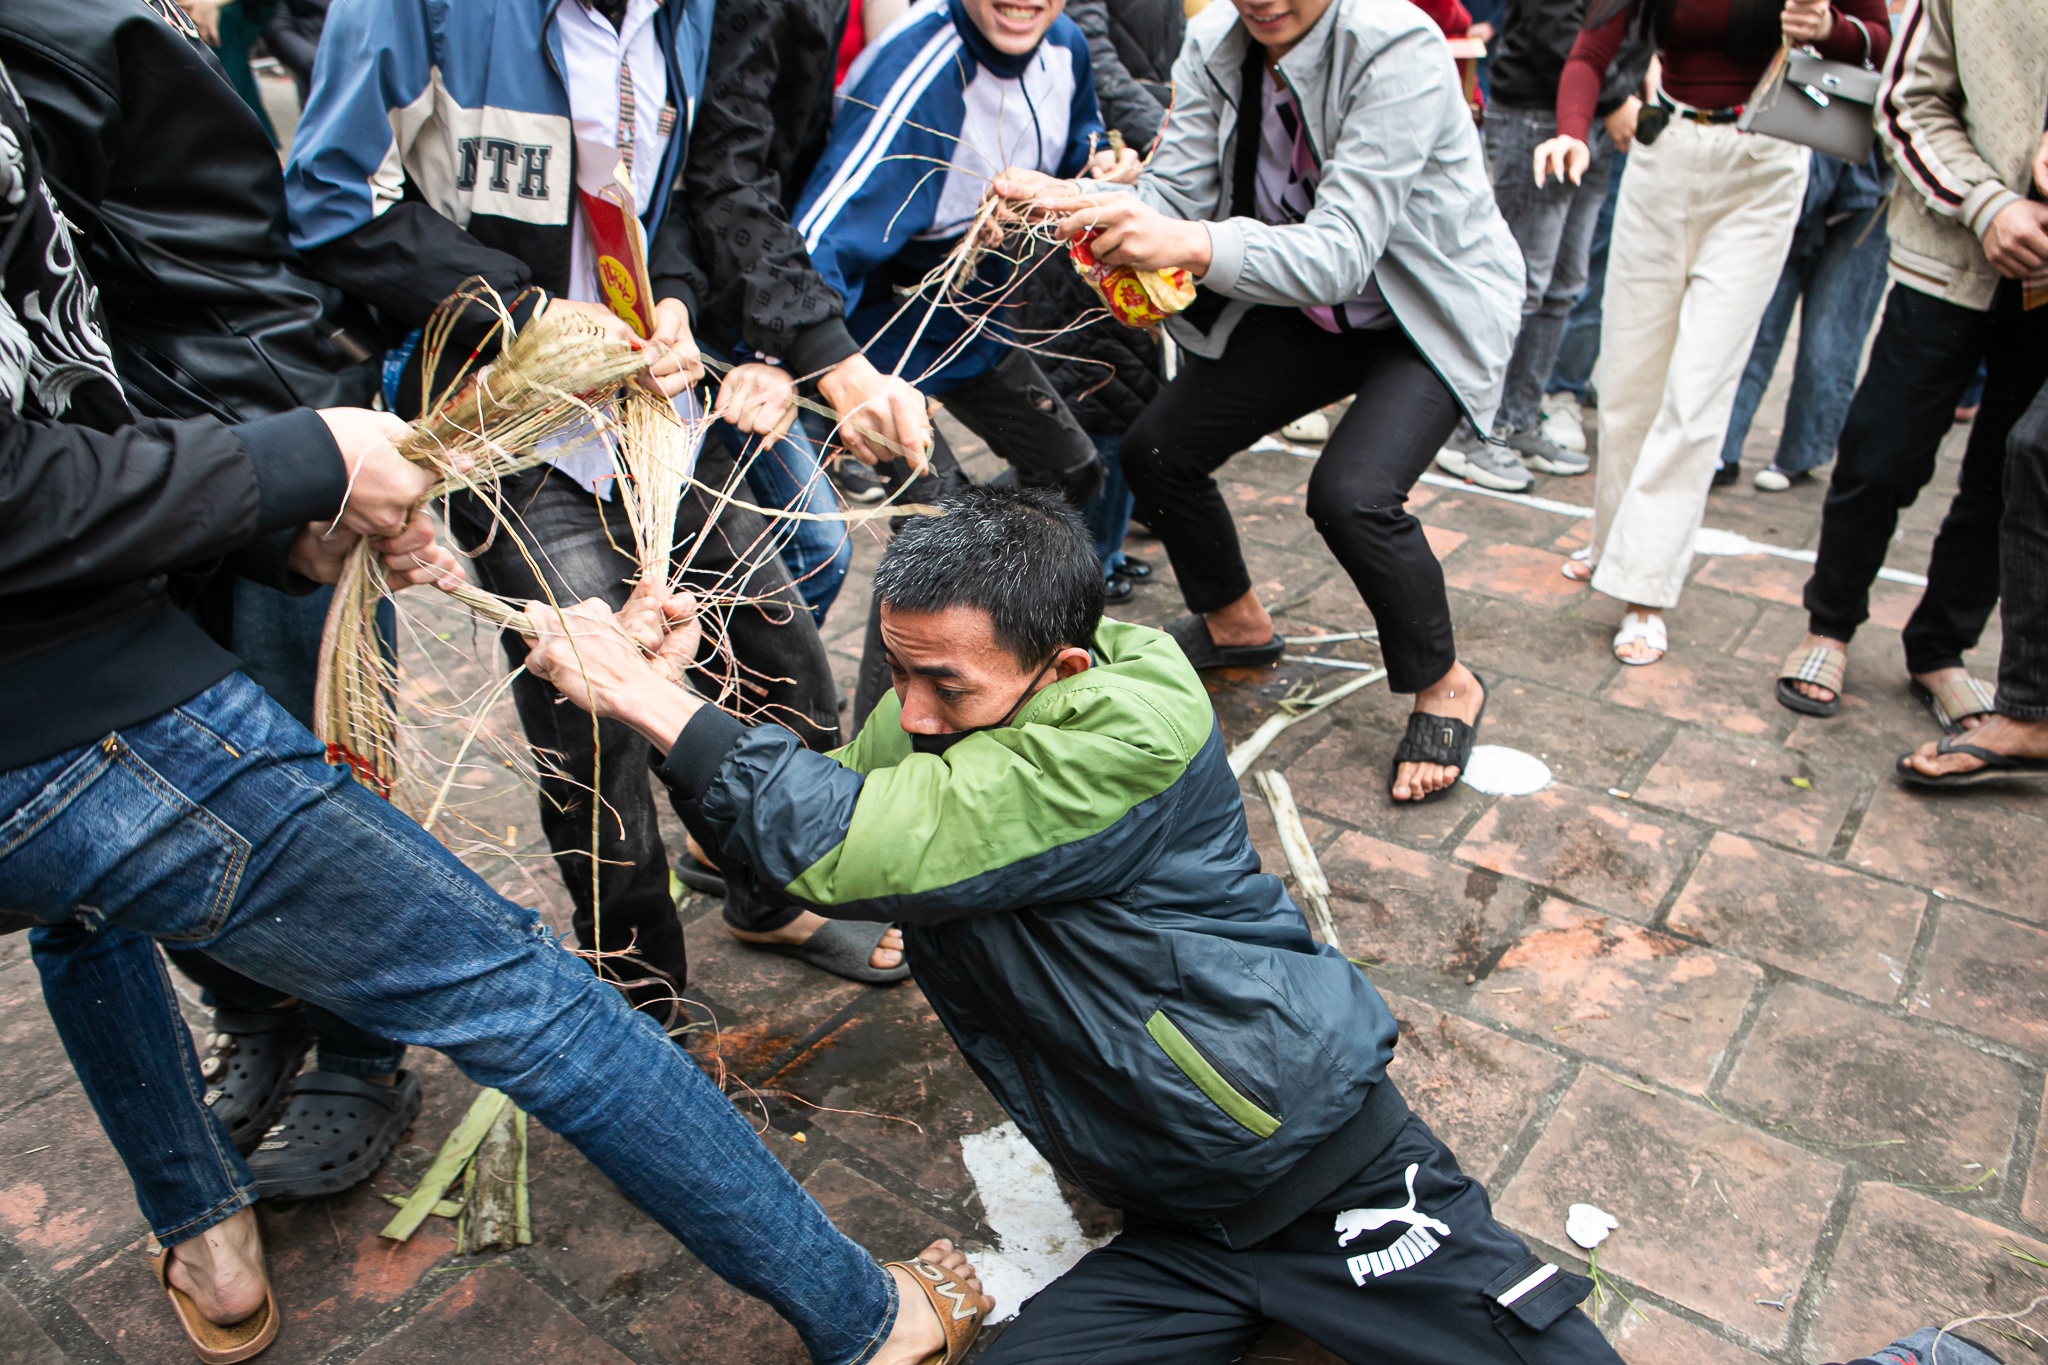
<point x="1961" y="112"/>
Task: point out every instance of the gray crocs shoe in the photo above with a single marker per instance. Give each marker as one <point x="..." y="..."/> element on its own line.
<point x="1485" y="463"/>
<point x="1544" y="456"/>
<point x="1919" y="1349"/>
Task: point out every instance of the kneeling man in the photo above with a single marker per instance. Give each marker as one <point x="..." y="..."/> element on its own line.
<point x="1045" y="805"/>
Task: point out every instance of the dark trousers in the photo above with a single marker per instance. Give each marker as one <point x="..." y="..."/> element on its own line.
<point x="1277" y="366"/>
<point x="1925" y="353"/>
<point x="2023" y="561"/>
<point x="1016" y="410"/>
<point x="583" y="546"/>
<point x="1420" y="1292"/>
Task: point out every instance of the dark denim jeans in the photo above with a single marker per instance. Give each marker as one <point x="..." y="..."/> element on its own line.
<point x="1835" y="279"/>
<point x="2023" y="564"/>
<point x="277" y="637"/>
<point x="218" y="825"/>
<point x="1108" y="513"/>
<point x="1579" y="347"/>
<point x="1554" y="226"/>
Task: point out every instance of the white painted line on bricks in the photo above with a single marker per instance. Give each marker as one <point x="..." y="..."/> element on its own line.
<point x="1037" y="1237"/>
<point x="1711" y="540"/>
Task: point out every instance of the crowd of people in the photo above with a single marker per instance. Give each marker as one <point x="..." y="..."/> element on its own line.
<point x="211" y="360"/>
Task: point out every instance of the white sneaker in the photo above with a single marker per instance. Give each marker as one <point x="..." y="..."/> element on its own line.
<point x="1311" y="430"/>
<point x="1564" y="422"/>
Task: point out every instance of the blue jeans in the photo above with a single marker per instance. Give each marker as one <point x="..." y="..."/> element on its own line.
<point x="788" y="477"/>
<point x="1835" y="278"/>
<point x="1554" y="226"/>
<point x="277" y="637"/>
<point x="1108" y="513"/>
<point x="218" y="825"/>
<point x="1579" y="347"/>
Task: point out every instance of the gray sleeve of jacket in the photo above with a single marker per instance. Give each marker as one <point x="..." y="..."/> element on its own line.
<point x="1184" y="178"/>
<point x="1394" y="120"/>
<point x="1127" y="105"/>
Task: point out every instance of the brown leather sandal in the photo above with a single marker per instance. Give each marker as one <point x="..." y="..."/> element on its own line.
<point x="959" y="1307"/>
<point x="213" y="1343"/>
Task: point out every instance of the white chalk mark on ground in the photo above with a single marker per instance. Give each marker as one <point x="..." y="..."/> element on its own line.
<point x="1500" y="771"/>
<point x="1711" y="541"/>
<point x="1037" y="1237"/>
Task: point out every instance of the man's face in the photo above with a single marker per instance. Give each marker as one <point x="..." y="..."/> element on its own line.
<point x="952" y="675"/>
<point x="1280" y="24"/>
<point x="1014" y="26"/>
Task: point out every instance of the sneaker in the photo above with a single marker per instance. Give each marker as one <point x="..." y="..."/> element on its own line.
<point x="1544" y="456"/>
<point x="856" y="482"/>
<point x="1772" y="479"/>
<point x="1485" y="463"/>
<point x="1726" y="475"/>
<point x="1564" y="422"/>
<point x="1312" y="430"/>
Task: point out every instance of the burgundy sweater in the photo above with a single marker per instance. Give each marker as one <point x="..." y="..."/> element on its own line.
<point x="1697" y="67"/>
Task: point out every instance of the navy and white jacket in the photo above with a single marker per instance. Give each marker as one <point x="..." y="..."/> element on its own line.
<point x="437" y="144"/>
<point x="927" y="117"/>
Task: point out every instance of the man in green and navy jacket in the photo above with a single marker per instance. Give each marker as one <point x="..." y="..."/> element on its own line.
<point x="1057" y="828"/>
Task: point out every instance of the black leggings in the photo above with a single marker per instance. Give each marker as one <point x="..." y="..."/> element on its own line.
<point x="1277" y="366"/>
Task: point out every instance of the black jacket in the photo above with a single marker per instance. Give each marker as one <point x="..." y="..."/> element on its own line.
<point x="293" y="37"/>
<point x="1535" y="38"/>
<point x="206" y="303"/>
<point x="100" y="513"/>
<point x="1106" y="371"/>
<point x="767" y="109"/>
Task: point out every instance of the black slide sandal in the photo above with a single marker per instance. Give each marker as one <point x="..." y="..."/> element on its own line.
<point x="251" y="1057"/>
<point x="1997" y="767"/>
<point x="335" y="1133"/>
<point x="1191" y="633"/>
<point x="1443" y="740"/>
<point x="841" y="947"/>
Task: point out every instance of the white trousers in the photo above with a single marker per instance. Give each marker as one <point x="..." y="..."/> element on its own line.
<point x="1701" y="233"/>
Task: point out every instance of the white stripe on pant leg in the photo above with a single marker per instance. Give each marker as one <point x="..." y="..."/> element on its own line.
<point x="1743" y="202"/>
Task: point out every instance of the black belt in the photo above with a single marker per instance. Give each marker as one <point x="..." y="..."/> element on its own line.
<point x="1693" y="115"/>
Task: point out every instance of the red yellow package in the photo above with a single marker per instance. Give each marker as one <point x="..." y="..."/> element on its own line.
<point x="1136" y="298"/>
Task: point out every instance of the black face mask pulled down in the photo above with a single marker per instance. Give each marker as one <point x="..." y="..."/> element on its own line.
<point x="939" y="743"/>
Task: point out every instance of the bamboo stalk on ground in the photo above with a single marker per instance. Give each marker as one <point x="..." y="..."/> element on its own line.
<point x="1309" y="882"/>
<point x="449" y="1162"/>
<point x="491" y="1211"/>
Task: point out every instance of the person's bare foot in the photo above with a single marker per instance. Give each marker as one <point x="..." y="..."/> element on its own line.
<point x="1243" y="622"/>
<point x="1456" y="694"/>
<point x="918" y="1335"/>
<point x="1810" y="690"/>
<point x="1932" y="682"/>
<point x="1999" y="734"/>
<point x="221" y="1270"/>
<point x="888" y="953"/>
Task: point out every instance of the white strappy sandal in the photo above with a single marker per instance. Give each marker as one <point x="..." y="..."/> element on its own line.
<point x="1636" y="628"/>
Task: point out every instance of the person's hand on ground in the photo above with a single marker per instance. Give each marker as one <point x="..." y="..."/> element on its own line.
<point x="758" y="399"/>
<point x="609" y="322"/>
<point x="1621" y="124"/>
<point x="205" y="16"/>
<point x="2016" y="242"/>
<point x="1807" y="21"/>
<point x="383" y="486"/>
<point x="1565" y="157"/>
<point x="1128" y="231"/>
<point x="680" y="363"/>
<point x="881" y="416"/>
<point x="1120" y="167"/>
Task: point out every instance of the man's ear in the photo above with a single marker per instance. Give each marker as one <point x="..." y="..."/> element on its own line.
<point x="1069" y="661"/>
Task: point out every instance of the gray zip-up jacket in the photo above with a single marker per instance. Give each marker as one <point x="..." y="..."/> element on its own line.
<point x="1403" y="196"/>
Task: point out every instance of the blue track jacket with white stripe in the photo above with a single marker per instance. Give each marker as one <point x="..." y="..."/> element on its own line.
<point x="437" y="144"/>
<point x="926" y="119"/>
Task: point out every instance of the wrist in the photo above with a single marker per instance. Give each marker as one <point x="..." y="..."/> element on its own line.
<point x="1197" y="252"/>
<point x="658" y="712"/>
<point x="843" y="381"/>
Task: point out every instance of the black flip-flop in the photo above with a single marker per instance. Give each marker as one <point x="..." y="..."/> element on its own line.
<point x="251" y="1057"/>
<point x="841" y="947"/>
<point x="336" y="1131"/>
<point x="703" y="879"/>
<point x="1997" y="767"/>
<point x="1443" y="740"/>
<point x="1191" y="633"/>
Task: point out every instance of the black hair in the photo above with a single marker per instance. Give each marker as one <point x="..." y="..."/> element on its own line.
<point x="1754" y="26"/>
<point x="1020" y="554"/>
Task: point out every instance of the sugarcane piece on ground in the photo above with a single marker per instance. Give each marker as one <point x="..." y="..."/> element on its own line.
<point x="491" y="1208"/>
<point x="448" y="1163"/>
